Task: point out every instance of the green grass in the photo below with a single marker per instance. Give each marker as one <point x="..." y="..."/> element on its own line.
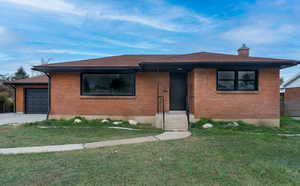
<point x="219" y="156"/>
<point x="67" y="133"/>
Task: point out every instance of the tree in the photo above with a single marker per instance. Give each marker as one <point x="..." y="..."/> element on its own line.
<point x="6" y="95"/>
<point x="281" y="81"/>
<point x="20" y="74"/>
<point x="2" y="78"/>
<point x="5" y="89"/>
<point x="6" y="103"/>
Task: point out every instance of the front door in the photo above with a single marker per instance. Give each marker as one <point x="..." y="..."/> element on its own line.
<point x="178" y="90"/>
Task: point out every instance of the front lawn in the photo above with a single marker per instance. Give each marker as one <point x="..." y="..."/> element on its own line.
<point x="210" y="157"/>
<point x="57" y="132"/>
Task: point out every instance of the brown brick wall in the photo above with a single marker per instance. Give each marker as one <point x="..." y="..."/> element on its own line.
<point x="20" y="95"/>
<point x="292" y="94"/>
<point x="204" y="100"/>
<point x="261" y="104"/>
<point x="66" y="99"/>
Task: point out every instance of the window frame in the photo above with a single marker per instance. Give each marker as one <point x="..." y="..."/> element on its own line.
<point x="99" y="95"/>
<point x="236" y="80"/>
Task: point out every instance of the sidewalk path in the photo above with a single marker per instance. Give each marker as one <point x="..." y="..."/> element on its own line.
<point x="59" y="148"/>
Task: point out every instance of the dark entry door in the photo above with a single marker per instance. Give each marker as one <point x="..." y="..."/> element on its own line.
<point x="36" y="101"/>
<point x="178" y="91"/>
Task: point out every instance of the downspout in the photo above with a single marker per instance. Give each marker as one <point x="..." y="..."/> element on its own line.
<point x="157" y="90"/>
<point x="49" y="94"/>
<point x="188" y="99"/>
<point x="159" y="101"/>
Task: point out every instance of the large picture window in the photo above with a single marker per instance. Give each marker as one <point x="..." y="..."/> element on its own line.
<point x="108" y="84"/>
<point x="245" y="80"/>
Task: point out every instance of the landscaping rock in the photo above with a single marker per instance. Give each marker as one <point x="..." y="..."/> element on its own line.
<point x="207" y="126"/>
<point x="132" y="122"/>
<point x="236" y="124"/>
<point x="233" y="124"/>
<point x="117" y="122"/>
<point x="104" y="121"/>
<point x="77" y="121"/>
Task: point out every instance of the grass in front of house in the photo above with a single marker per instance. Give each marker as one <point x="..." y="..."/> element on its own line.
<point x="66" y="132"/>
<point x="234" y="157"/>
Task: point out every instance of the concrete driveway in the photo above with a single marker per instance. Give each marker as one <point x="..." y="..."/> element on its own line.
<point x="14" y="118"/>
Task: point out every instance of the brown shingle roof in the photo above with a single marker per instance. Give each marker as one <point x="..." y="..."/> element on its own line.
<point x="32" y="80"/>
<point x="134" y="60"/>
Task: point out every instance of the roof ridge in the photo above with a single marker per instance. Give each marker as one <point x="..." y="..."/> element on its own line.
<point x="83" y="60"/>
<point x="237" y="55"/>
<point x="80" y="60"/>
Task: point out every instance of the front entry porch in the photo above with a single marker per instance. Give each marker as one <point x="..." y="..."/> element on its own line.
<point x="173" y="104"/>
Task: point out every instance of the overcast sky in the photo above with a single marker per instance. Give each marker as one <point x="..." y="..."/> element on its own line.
<point x="63" y="30"/>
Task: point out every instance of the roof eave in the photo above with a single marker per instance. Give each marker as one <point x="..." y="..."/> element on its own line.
<point x="189" y="65"/>
<point x="84" y="68"/>
<point x="243" y="64"/>
<point x="25" y="83"/>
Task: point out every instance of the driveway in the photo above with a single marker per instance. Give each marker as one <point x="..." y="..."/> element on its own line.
<point x="13" y="118"/>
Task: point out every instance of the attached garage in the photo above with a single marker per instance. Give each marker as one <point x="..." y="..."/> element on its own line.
<point x="31" y="95"/>
<point x="36" y="100"/>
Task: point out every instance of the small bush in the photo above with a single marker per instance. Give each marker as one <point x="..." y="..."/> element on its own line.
<point x="6" y="103"/>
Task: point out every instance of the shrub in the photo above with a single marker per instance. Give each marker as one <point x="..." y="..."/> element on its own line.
<point x="6" y="103"/>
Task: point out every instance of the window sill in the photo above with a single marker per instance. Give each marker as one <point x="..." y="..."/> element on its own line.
<point x="107" y="97"/>
<point x="238" y="92"/>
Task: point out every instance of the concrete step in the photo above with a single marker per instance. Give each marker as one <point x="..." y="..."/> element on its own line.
<point x="174" y="121"/>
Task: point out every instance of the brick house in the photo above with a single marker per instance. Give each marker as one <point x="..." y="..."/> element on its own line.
<point x="290" y="96"/>
<point x="166" y="90"/>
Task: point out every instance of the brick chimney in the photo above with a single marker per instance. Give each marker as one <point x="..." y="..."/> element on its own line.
<point x="243" y="51"/>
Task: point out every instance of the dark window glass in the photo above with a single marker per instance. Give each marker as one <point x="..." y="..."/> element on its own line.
<point x="108" y="84"/>
<point x="246" y="75"/>
<point x="246" y="85"/>
<point x="237" y="80"/>
<point x="226" y="75"/>
<point x="226" y="85"/>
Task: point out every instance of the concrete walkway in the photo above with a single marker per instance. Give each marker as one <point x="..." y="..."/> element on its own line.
<point x="59" y="148"/>
<point x="15" y="118"/>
